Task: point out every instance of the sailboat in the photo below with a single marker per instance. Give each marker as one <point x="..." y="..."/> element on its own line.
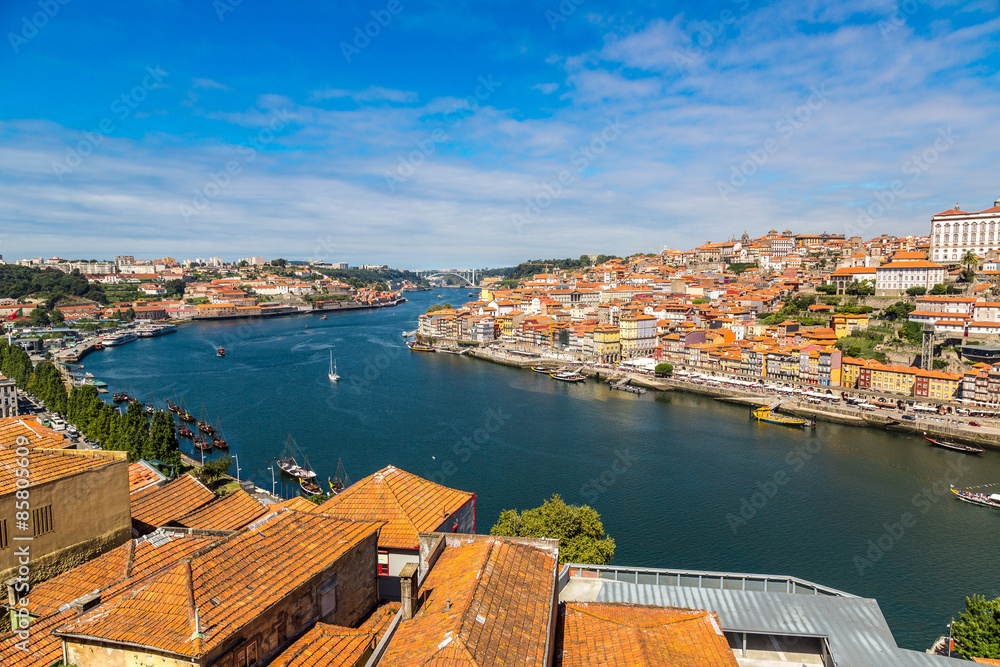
<point x="333" y="369"/>
<point x="290" y="466"/>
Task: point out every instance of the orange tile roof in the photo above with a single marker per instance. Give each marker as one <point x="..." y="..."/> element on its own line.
<point x="109" y="573"/>
<point x="490" y="603"/>
<point x="986" y="661"/>
<point x="407" y="503"/>
<point x="140" y="476"/>
<point x="31" y="428"/>
<point x="297" y="503"/>
<point x="230" y="512"/>
<point x="226" y="587"/>
<point x="327" y="646"/>
<point x="47" y="465"/>
<point x="594" y="633"/>
<point x="44" y="648"/>
<point x="158" y="506"/>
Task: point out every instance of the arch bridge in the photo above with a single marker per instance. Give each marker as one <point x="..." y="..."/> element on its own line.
<point x="468" y="275"/>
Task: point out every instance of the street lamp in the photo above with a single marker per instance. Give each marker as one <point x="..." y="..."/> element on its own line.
<point x="271" y="468"/>
<point x="236" y="456"/>
<point x="949" y="640"/>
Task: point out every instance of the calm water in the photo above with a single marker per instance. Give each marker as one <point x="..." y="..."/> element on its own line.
<point x="672" y="471"/>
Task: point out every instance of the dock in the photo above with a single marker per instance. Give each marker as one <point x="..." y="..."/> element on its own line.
<point x="623" y="385"/>
<point x="77" y="352"/>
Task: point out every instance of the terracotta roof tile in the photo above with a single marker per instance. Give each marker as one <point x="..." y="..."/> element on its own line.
<point x="298" y="503"/>
<point x="230" y="512"/>
<point x="158" y="506"/>
<point x="47" y="465"/>
<point x="490" y="603"/>
<point x="225" y="587"/>
<point x="589" y="634"/>
<point x="31" y="428"/>
<point x="140" y="476"/>
<point x="327" y="646"/>
<point x="44" y="648"/>
<point x="408" y="504"/>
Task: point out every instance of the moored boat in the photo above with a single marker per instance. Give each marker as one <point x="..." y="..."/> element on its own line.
<point x="290" y="466"/>
<point x="419" y="347"/>
<point x="568" y="377"/>
<point x="310" y="488"/>
<point x="201" y="444"/>
<point x="954" y="446"/>
<point x="118" y="339"/>
<point x="541" y="369"/>
<point x="765" y="414"/>
<point x="221" y="352"/>
<point x="185" y="432"/>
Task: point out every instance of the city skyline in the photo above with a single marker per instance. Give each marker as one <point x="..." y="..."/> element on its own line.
<point x="445" y="137"/>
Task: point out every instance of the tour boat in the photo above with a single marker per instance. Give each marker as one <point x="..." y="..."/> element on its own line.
<point x="221" y="352"/>
<point x="419" y="347"/>
<point x="947" y="444"/>
<point x="568" y="377"/>
<point x="118" y="339"/>
<point x="976" y="498"/>
<point x="333" y="370"/>
<point x="764" y="414"/>
<point x="290" y="466"/>
<point x="541" y="369"/>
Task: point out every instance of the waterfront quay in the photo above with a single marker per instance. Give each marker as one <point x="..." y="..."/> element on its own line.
<point x="831" y="408"/>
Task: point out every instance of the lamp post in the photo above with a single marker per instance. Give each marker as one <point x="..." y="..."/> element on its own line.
<point x="236" y="456"/>
<point x="949" y="640"/>
<point x="271" y="468"/>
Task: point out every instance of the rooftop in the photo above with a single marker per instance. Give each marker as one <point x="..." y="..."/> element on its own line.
<point x="407" y="503"/>
<point x="157" y="506"/>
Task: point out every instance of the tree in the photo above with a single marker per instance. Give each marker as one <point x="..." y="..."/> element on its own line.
<point x="861" y="288"/>
<point x="940" y="364"/>
<point x="977" y="630"/>
<point x="699" y="301"/>
<point x="174" y="287"/>
<point x="577" y="527"/>
<point x="916" y="291"/>
<point x="897" y="311"/>
<point x="130" y="314"/>
<point x="39" y="318"/>
<point x="912" y="332"/>
<point x="213" y="471"/>
<point x="664" y="369"/>
<point x="827" y="289"/>
<point x="162" y="444"/>
<point x="278" y="262"/>
<point x="941" y="288"/>
<point x="380" y="287"/>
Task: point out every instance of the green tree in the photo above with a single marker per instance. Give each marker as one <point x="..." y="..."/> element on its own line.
<point x="279" y="262"/>
<point x="827" y="289"/>
<point x="664" y="369"/>
<point x="162" y="443"/>
<point x="174" y="287"/>
<point x="577" y="527"/>
<point x="941" y="289"/>
<point x="898" y="311"/>
<point x="912" y="332"/>
<point x="940" y="364"/>
<point x="213" y="471"/>
<point x="977" y="630"/>
<point x="699" y="301"/>
<point x="39" y="318"/>
<point x="861" y="288"/>
<point x="131" y="433"/>
<point x="130" y="314"/>
<point x="916" y="291"/>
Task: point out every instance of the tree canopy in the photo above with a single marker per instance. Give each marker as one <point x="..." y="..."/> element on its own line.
<point x="977" y="630"/>
<point x="577" y="527"/>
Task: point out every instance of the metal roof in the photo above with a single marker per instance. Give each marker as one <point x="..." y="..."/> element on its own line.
<point x="854" y="627"/>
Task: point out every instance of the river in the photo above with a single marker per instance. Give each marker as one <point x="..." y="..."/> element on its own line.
<point x="680" y="481"/>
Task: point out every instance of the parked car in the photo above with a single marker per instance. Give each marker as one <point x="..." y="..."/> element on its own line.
<point x="974" y="424"/>
<point x="910" y="417"/>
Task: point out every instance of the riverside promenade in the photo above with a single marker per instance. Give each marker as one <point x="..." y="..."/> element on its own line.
<point x="833" y="410"/>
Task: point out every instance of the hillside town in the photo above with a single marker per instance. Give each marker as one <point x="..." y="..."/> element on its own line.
<point x="817" y="309"/>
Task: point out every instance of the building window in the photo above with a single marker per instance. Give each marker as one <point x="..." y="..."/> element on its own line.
<point x="383" y="563"/>
<point x="41" y="520"/>
<point x="4" y="538"/>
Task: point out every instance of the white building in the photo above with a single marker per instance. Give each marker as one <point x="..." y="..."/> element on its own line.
<point x="8" y="397"/>
<point x="956" y="232"/>
<point x="906" y="270"/>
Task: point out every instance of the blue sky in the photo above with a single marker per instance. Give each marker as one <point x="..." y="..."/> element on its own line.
<point x="484" y="133"/>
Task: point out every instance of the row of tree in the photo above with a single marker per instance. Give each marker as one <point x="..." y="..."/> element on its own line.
<point x="136" y="432"/>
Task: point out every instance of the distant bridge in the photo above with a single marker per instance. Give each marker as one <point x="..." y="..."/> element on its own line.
<point x="468" y="275"/>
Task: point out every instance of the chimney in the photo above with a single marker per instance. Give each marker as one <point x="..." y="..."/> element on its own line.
<point x="408" y="590"/>
<point x="86" y="602"/>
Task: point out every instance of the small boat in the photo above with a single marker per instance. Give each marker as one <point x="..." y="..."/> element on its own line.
<point x="119" y="397"/>
<point x="419" y="347"/>
<point x="341" y="481"/>
<point x="541" y="369"/>
<point x="408" y="334"/>
<point x="568" y="377"/>
<point x="221" y="352"/>
<point x="201" y="444"/>
<point x="173" y="407"/>
<point x="947" y="444"/>
<point x="187" y="417"/>
<point x="333" y="370"/>
<point x="203" y="425"/>
<point x="323" y="317"/>
<point x="185" y="432"/>
<point x="217" y="440"/>
<point x="310" y="488"/>
<point x="290" y="466"/>
<point x="976" y="497"/>
<point x="765" y="414"/>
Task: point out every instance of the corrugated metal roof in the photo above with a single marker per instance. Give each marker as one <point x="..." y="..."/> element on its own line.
<point x="854" y="627"/>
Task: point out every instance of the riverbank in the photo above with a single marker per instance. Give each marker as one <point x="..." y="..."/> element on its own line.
<point x="937" y="426"/>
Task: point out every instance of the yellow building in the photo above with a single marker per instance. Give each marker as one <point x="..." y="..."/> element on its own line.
<point x="936" y="384"/>
<point x="890" y="379"/>
<point x="607" y="343"/>
<point x="850" y="372"/>
<point x="844" y="324"/>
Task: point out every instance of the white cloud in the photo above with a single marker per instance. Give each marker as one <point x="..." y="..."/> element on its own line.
<point x="546" y="88"/>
